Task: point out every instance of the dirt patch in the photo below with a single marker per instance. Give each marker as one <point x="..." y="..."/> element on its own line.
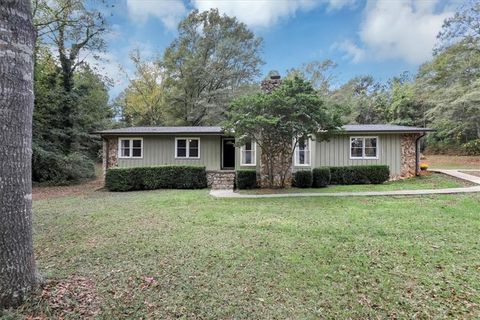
<point x="39" y="193"/>
<point x="74" y="297"/>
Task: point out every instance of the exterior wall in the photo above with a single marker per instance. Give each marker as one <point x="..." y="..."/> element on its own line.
<point x="281" y="165"/>
<point x="110" y="153"/>
<point x="221" y="179"/>
<point x="336" y="152"/>
<point x="160" y="150"/>
<point x="408" y="155"/>
<point x="395" y="150"/>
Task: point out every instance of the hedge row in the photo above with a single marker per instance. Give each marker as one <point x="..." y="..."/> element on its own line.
<point x="161" y="177"/>
<point x="321" y="177"/>
<point x="246" y="179"/>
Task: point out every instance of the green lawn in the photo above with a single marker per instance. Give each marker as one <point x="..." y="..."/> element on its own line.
<point x="183" y="254"/>
<point x="430" y="181"/>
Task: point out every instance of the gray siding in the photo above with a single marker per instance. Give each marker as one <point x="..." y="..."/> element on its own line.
<point x="160" y="150"/>
<point x="336" y="152"/>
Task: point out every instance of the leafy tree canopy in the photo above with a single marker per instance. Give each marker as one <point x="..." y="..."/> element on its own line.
<point x="273" y="120"/>
<point x="212" y="57"/>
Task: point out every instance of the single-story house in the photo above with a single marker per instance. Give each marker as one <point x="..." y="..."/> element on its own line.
<point x="392" y="145"/>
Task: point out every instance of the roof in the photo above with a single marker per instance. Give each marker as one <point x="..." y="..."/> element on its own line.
<point x="382" y="128"/>
<point x="163" y="130"/>
<point x="374" y="128"/>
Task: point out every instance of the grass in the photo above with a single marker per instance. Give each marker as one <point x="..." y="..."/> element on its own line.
<point x="182" y="254"/>
<point x="429" y="181"/>
<point x="452" y="162"/>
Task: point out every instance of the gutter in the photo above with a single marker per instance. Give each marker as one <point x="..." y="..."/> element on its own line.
<point x="159" y="133"/>
<point x="417" y="153"/>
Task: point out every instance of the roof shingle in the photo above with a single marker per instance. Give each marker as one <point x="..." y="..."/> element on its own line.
<point x="374" y="128"/>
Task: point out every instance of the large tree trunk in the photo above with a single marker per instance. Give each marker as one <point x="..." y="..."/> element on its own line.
<point x="17" y="263"/>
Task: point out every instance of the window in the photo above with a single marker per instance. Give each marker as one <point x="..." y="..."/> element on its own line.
<point x="187" y="148"/>
<point x="364" y="148"/>
<point x="247" y="154"/>
<point x="130" y="147"/>
<point x="302" y="152"/>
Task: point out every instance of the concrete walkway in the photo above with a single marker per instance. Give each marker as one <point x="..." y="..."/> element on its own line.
<point x="453" y="173"/>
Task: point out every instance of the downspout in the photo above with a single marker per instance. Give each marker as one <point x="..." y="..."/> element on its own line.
<point x="417" y="153"/>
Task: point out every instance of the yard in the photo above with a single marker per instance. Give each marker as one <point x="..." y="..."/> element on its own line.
<point x="182" y="254"/>
<point x="452" y="162"/>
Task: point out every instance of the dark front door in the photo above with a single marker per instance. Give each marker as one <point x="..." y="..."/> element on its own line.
<point x="228" y="153"/>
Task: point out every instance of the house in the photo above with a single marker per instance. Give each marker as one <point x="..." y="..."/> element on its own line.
<point x="392" y="145"/>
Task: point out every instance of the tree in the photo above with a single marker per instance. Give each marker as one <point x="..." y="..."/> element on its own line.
<point x="450" y="84"/>
<point x="211" y="58"/>
<point x="50" y="161"/>
<point x="277" y="121"/>
<point x="143" y="102"/>
<point x="364" y="99"/>
<point x="319" y="73"/>
<point x="17" y="262"/>
<point x="72" y="29"/>
<point x="404" y="107"/>
<point x="464" y="27"/>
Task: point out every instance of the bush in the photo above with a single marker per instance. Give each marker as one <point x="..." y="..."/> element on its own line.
<point x="472" y="148"/>
<point x="57" y="169"/>
<point x="246" y="179"/>
<point x="302" y="179"/>
<point x="321" y="177"/>
<point x="374" y="174"/>
<point x="424" y="166"/>
<point x="161" y="177"/>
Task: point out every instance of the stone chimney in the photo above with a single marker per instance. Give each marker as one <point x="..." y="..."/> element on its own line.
<point x="280" y="161"/>
<point x="271" y="82"/>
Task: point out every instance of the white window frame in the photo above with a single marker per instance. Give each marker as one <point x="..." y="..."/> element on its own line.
<point x="363" y="157"/>
<point x="254" y="155"/>
<point x="187" y="153"/>
<point x="120" y="139"/>
<point x="295" y="158"/>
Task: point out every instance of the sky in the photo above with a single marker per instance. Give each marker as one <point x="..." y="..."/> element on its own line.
<point x="382" y="38"/>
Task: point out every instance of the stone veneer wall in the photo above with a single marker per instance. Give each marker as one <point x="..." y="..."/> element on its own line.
<point x="221" y="179"/>
<point x="408" y="160"/>
<point x="110" y="153"/>
<point x="281" y="164"/>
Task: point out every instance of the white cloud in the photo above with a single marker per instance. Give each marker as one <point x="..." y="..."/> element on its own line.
<point x="401" y="29"/>
<point x="352" y="51"/>
<point x="264" y="13"/>
<point x="169" y="12"/>
<point x="339" y="4"/>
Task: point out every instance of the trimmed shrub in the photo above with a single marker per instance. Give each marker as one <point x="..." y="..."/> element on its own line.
<point x="321" y="177"/>
<point x="161" y="177"/>
<point x="374" y="174"/>
<point x="302" y="179"/>
<point x="246" y="179"/>
<point x="378" y="174"/>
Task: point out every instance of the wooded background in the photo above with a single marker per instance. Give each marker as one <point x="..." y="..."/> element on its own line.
<point x="214" y="60"/>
